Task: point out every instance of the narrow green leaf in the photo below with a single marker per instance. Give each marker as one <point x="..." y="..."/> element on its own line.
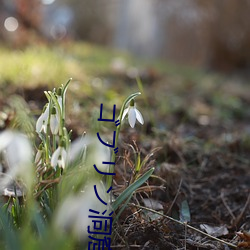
<point x="65" y="87"/>
<point x="128" y="191"/>
<point x="39" y="222"/>
<point x="11" y="237"/>
<point x="122" y="209"/>
<point x="138" y="163"/>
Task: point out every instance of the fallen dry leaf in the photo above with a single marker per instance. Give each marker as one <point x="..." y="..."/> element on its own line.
<point x="214" y="230"/>
<point x="245" y="236"/>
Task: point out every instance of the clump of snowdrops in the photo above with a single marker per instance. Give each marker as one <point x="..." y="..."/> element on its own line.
<point x="49" y="179"/>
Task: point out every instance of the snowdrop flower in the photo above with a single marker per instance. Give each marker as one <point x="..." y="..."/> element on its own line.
<point x="59" y="157"/>
<point x="90" y="151"/>
<point x="42" y="122"/>
<point x="77" y="149"/>
<point x="133" y="114"/>
<point x="54" y="121"/>
<point x="72" y="214"/>
<point x="17" y="152"/>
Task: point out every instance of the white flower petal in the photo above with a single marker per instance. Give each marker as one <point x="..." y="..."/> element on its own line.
<point x="77" y="148"/>
<point x="55" y="156"/>
<point x="132" y="117"/>
<point x="39" y="123"/>
<point x="64" y="154"/>
<point x="124" y="113"/>
<point x="59" y="158"/>
<point x="44" y="127"/>
<point x="61" y="163"/>
<point x="63" y="158"/>
<point x="42" y="121"/>
<point x="133" y="114"/>
<point x="102" y="154"/>
<point x="139" y="116"/>
<point x="19" y="151"/>
<point x="54" y="124"/>
<point x="18" y="156"/>
<point x="5" y="139"/>
<point x="72" y="216"/>
<point x="46" y="113"/>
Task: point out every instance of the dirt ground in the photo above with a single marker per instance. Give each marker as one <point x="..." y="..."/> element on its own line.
<point x="200" y="135"/>
<point x="202" y="171"/>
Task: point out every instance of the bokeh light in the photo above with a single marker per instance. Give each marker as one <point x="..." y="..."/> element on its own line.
<point x="11" y="24"/>
<point x="58" y="31"/>
<point x="48" y="2"/>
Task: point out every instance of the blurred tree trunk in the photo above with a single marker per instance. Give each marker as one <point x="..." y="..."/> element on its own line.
<point x="229" y="34"/>
<point x="28" y="14"/>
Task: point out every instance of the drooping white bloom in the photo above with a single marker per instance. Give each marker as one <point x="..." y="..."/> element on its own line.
<point x="42" y="122"/>
<point x="78" y="149"/>
<point x="59" y="157"/>
<point x="54" y="121"/>
<point x="91" y="151"/>
<point x="133" y="114"/>
<point x="17" y="152"/>
<point x="72" y="214"/>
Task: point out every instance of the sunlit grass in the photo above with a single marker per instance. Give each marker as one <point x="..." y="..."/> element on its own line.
<point x="41" y="64"/>
<point x="90" y="66"/>
<point x="51" y="64"/>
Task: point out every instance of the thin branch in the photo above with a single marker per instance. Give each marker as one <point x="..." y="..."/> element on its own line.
<point x="227" y="207"/>
<point x="175" y="198"/>
<point x="184" y="224"/>
<point x="239" y="217"/>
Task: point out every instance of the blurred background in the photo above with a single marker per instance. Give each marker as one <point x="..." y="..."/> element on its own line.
<point x="193" y="60"/>
<point x="212" y="34"/>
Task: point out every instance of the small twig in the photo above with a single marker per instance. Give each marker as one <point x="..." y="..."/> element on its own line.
<point x="183" y="224"/>
<point x="173" y="202"/>
<point x="239" y="217"/>
<point x="122" y="246"/>
<point x="149" y="188"/>
<point x="227" y="207"/>
<point x="121" y="238"/>
<point x="185" y="242"/>
<point x="57" y="180"/>
<point x="48" y="185"/>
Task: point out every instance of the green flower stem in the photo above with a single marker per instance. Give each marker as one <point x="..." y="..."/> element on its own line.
<point x="66" y="138"/>
<point x="54" y="142"/>
<point x="53" y="97"/>
<point x="111" y="170"/>
<point x="47" y="137"/>
<point x="65" y="87"/>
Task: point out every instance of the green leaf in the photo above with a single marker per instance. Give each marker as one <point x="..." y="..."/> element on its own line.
<point x="11" y="237"/>
<point x="128" y="191"/>
<point x="39" y="222"/>
<point x="122" y="209"/>
<point x="184" y="212"/>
